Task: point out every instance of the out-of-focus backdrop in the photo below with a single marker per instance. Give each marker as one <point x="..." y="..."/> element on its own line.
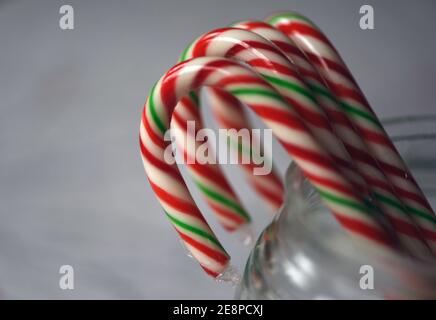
<point x="72" y="187"/>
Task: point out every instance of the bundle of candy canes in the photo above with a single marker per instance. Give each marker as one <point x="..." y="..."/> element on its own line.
<point x="288" y="72"/>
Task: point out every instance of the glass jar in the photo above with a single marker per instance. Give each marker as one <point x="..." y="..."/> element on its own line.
<point x="305" y="254"/>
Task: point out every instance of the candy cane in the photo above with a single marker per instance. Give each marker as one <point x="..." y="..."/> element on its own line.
<point x="269" y="186"/>
<point x="333" y="70"/>
<point x="230" y="114"/>
<point x="367" y="167"/>
<point x="268" y="61"/>
<point x="206" y="173"/>
<point x="165" y="179"/>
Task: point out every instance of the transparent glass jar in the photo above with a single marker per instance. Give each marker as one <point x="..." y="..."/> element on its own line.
<point x="305" y="254"/>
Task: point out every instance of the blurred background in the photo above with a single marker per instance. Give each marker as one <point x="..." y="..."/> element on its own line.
<point x="72" y="186"/>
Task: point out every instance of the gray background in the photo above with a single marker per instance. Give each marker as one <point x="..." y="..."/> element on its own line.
<point x="72" y="186"/>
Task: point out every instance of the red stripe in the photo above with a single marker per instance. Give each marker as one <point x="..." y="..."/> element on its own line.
<point x="229" y="99"/>
<point x="414" y="197"/>
<point x="374" y="182"/>
<point x="229" y="124"/>
<point x="252" y="46"/>
<point x="304" y="29"/>
<point x="163" y="166"/>
<point x="375" y="137"/>
<point x="209" y="172"/>
<point x="168" y="83"/>
<point x="176" y="68"/>
<point x="366" y="158"/>
<point x="312" y="74"/>
<point x="190" y="105"/>
<point x="392" y="170"/>
<point x="406" y="228"/>
<point x="215" y="177"/>
<point x="289" y="49"/>
<point x="330" y="184"/>
<point x="276" y="198"/>
<point x="183" y="123"/>
<point x="186" y="207"/>
<point x="200" y="48"/>
<point x="226" y="214"/>
<point x="168" y="91"/>
<point x="336" y="116"/>
<point x="429" y="235"/>
<point x="211" y="253"/>
<point x="271" y="65"/>
<point x="293" y="28"/>
<point x="313" y="117"/>
<point x="365" y="230"/>
<point x="241" y="79"/>
<point x="362" y="156"/>
<point x="285" y="46"/>
<point x="280" y="116"/>
<point x="330" y="65"/>
<point x="249" y="25"/>
<point x="309" y="156"/>
<point x="210" y="272"/>
<point x="351" y="93"/>
<point x="209" y="68"/>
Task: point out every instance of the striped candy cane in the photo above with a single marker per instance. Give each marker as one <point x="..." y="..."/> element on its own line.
<point x="205" y="172"/>
<point x="165" y="179"/>
<point x="271" y="64"/>
<point x="230" y="114"/>
<point x="338" y="78"/>
<point x="367" y="167"/>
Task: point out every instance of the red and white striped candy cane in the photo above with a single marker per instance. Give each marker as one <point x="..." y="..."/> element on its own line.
<point x="229" y="114"/>
<point x="338" y="78"/>
<point x="336" y="191"/>
<point x="272" y="65"/>
<point x="206" y="173"/>
<point x="366" y="165"/>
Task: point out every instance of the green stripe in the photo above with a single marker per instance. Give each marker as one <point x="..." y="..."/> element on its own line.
<point x="287" y="15"/>
<point x="399" y="206"/>
<point x="361" y="114"/>
<point x="421" y="214"/>
<point x="346" y="106"/>
<point x="194" y="97"/>
<point x="291" y="86"/>
<point x="195" y="230"/>
<point x="389" y="201"/>
<point x="260" y="92"/>
<point x="223" y="200"/>
<point x="184" y="55"/>
<point x="153" y="112"/>
<point x="341" y="201"/>
<point x="323" y="92"/>
<point x="380" y="197"/>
